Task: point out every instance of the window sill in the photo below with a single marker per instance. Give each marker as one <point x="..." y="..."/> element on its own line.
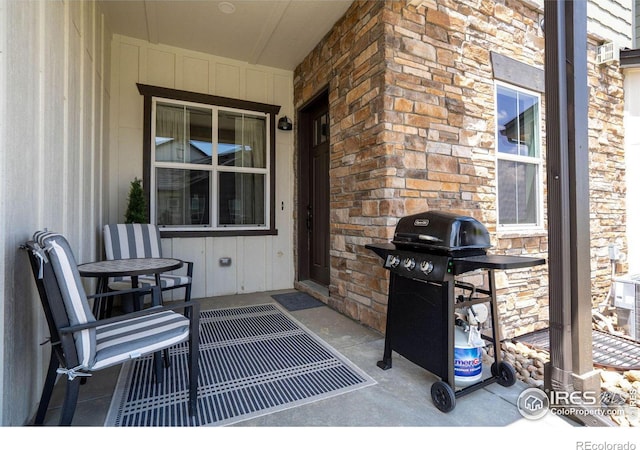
<point x="521" y="233"/>
<point x="218" y="233"/>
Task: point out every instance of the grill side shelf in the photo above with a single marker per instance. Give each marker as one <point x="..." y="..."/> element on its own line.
<point x="493" y="262"/>
<point x="382" y="250"/>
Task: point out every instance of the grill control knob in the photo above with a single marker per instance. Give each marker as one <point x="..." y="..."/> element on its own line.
<point x="426" y="267"/>
<point x="394" y="261"/>
<point x="409" y="263"/>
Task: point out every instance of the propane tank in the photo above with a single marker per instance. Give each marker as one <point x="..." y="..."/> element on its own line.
<point x="467" y="359"/>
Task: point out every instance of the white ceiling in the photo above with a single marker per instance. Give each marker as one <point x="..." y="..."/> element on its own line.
<point x="275" y="33"/>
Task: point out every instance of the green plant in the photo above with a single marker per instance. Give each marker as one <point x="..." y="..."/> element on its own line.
<point x="137" y="206"/>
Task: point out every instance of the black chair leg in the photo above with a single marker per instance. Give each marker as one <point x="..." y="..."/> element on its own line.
<point x="70" y="401"/>
<point x="187" y="298"/>
<point x="47" y="389"/>
<point x="157" y="367"/>
<point x="109" y="307"/>
<point x="97" y="308"/>
<point x="138" y="302"/>
<point x="194" y="368"/>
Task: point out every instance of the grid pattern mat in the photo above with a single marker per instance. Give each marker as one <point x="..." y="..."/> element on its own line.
<point x="610" y="351"/>
<point x="295" y="301"/>
<point x="253" y="361"/>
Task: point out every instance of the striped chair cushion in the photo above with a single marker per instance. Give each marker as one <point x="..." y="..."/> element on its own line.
<point x="137" y="240"/>
<point x="132" y="240"/>
<point x="166" y="281"/>
<point x="73" y="294"/>
<point x="132" y="338"/>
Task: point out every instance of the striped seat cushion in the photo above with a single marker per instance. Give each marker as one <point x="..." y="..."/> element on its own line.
<point x="72" y="291"/>
<point x="118" y="342"/>
<point x="166" y="281"/>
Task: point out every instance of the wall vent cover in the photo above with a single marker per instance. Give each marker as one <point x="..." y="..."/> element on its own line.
<point x="607" y="52"/>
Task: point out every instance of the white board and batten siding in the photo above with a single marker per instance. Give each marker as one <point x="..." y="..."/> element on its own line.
<point x="54" y="97"/>
<point x="259" y="263"/>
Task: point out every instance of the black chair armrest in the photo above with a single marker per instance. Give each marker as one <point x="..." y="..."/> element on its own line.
<point x="141" y="290"/>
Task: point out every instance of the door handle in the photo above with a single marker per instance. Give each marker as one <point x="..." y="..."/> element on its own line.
<point x="309" y="218"/>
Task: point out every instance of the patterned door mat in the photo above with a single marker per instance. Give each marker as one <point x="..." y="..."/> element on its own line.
<point x="295" y="301"/>
<point x="253" y="361"/>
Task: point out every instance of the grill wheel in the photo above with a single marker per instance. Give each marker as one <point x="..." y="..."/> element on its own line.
<point x="505" y="372"/>
<point x="443" y="396"/>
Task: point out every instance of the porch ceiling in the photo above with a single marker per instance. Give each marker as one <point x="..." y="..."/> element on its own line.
<point x="274" y="33"/>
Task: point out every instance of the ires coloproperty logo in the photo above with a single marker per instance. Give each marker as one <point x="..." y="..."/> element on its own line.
<point x="534" y="403"/>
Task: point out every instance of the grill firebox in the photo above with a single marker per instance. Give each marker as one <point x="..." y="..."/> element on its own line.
<point x="427" y="254"/>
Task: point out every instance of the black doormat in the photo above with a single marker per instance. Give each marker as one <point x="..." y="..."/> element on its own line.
<point x="295" y="301"/>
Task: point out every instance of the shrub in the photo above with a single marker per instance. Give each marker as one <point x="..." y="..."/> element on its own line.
<point x="137" y="206"/>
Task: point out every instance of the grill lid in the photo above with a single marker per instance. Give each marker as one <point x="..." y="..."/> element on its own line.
<point x="442" y="232"/>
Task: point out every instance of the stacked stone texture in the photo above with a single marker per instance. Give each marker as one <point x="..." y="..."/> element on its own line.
<point x="411" y="93"/>
<point x="619" y="388"/>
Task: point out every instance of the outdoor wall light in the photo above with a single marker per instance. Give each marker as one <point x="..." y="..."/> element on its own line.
<point x="285" y="124"/>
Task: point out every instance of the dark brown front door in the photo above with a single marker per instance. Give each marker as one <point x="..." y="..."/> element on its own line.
<point x="313" y="203"/>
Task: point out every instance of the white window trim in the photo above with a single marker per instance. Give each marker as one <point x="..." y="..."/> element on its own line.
<point x="213" y="168"/>
<point x="519" y="228"/>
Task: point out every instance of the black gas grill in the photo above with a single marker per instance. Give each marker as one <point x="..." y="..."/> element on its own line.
<point x="428" y="252"/>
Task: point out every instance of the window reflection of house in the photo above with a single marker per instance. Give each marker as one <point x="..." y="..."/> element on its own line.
<point x="183" y="195"/>
<point x="210" y="166"/>
<point x="231" y="154"/>
<point x="242" y="175"/>
<point x="520" y="131"/>
<point x="518" y="155"/>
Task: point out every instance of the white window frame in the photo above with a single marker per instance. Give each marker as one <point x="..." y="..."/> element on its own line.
<point x="214" y="169"/>
<point x="538" y="161"/>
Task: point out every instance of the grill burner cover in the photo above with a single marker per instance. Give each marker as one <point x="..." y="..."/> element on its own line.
<point x="442" y="232"/>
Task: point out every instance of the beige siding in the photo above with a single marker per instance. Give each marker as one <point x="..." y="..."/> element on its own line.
<point x="632" y="153"/>
<point x="611" y="20"/>
<point x="636" y="43"/>
<point x="258" y="263"/>
<point x="53" y="69"/>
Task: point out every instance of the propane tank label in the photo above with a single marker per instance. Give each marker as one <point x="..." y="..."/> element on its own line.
<point x="467" y="362"/>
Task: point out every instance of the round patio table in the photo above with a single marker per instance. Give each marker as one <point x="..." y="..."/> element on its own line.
<point x="127" y="267"/>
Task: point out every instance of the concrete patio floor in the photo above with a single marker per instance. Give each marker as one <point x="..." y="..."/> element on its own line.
<point x="401" y="397"/>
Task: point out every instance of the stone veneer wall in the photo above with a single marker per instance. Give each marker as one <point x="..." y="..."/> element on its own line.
<point x="411" y="94"/>
<point x="607" y="170"/>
